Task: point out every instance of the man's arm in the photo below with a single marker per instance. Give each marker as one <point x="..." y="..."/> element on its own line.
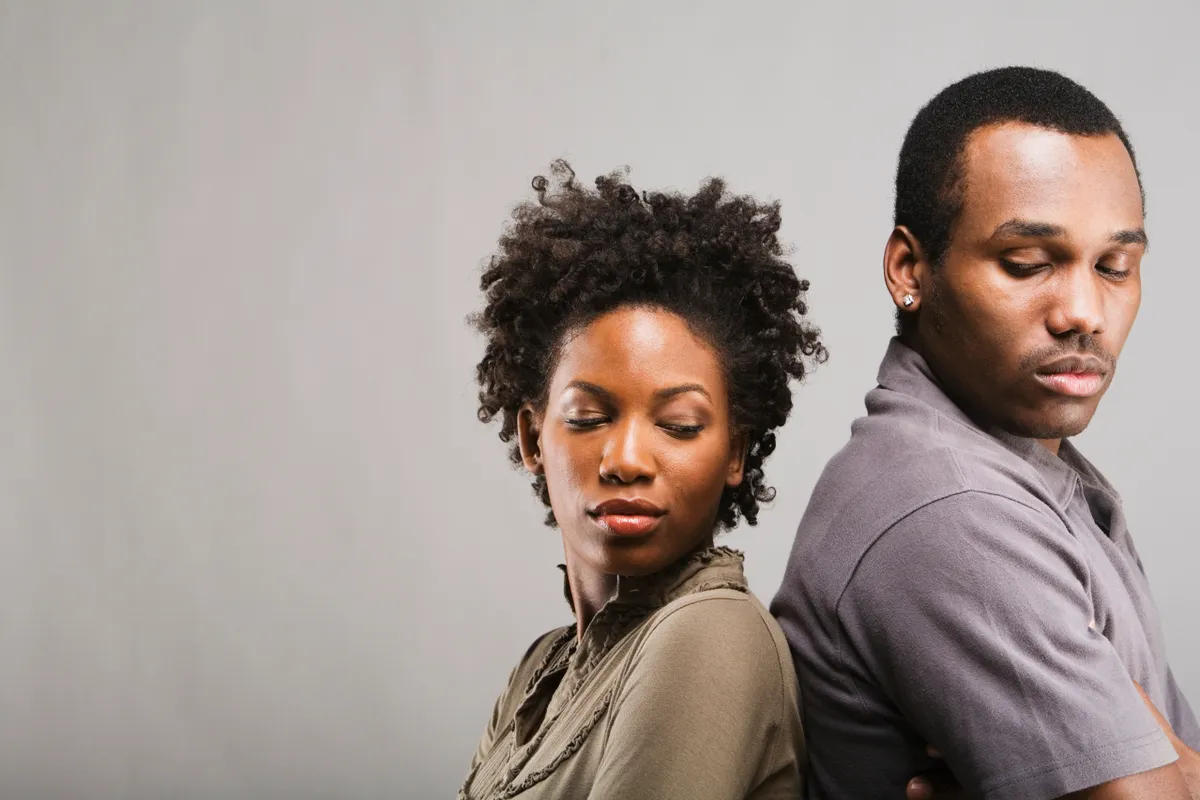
<point x="1163" y="783"/>
<point x="972" y="617"/>
<point x="1189" y="759"/>
<point x="1180" y="780"/>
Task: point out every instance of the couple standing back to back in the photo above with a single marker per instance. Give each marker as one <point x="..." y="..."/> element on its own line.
<point x="963" y="595"/>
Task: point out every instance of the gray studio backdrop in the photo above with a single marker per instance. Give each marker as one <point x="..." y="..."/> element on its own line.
<point x="253" y="542"/>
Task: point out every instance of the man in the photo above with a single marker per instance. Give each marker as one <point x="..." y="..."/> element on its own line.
<point x="963" y="578"/>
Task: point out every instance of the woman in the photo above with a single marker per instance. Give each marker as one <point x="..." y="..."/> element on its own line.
<point x="639" y="351"/>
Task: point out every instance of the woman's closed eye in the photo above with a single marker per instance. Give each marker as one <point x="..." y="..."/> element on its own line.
<point x="585" y="422"/>
<point x="681" y="429"/>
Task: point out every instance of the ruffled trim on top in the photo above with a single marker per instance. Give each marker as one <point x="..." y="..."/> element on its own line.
<point x="675" y="580"/>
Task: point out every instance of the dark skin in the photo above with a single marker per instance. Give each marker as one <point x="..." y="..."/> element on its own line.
<point x="637" y="407"/>
<point x="1024" y="319"/>
<point x="1044" y="263"/>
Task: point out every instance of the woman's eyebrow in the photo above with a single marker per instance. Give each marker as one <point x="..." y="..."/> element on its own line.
<point x="593" y="389"/>
<point x="660" y="395"/>
<point x="673" y="391"/>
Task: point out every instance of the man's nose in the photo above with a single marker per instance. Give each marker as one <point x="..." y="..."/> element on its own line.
<point x="1078" y="303"/>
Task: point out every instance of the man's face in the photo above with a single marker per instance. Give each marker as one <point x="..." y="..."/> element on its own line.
<point x="1041" y="281"/>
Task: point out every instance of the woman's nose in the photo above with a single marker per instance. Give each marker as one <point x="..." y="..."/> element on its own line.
<point x="627" y="457"/>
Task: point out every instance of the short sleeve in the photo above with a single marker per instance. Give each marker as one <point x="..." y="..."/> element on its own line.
<point x="708" y="709"/>
<point x="1180" y="714"/>
<point x="973" y="616"/>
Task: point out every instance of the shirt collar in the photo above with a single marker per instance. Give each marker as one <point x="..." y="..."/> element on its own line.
<point x="708" y="568"/>
<point x="904" y="370"/>
<point x="635" y="598"/>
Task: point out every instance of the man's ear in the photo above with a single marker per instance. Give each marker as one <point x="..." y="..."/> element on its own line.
<point x="905" y="268"/>
<point x="529" y="438"/>
<point x="738" y="448"/>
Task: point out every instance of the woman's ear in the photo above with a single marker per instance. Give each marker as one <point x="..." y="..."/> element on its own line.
<point x="738" y="448"/>
<point x="529" y="438"/>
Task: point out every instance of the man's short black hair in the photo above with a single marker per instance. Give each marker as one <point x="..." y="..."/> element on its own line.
<point x="929" y="177"/>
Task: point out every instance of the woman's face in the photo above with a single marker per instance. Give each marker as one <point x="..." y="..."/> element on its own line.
<point x="635" y="441"/>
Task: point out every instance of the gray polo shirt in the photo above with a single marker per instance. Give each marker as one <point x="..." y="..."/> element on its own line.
<point x="967" y="589"/>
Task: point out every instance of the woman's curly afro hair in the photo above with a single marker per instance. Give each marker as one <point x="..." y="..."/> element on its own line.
<point x="712" y="258"/>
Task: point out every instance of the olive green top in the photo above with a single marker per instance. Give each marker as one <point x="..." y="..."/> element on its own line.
<point x="681" y="686"/>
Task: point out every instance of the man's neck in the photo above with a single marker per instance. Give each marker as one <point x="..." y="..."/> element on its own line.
<point x="914" y="343"/>
<point x="1051" y="444"/>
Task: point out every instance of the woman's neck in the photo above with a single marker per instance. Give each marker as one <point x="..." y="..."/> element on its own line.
<point x="591" y="590"/>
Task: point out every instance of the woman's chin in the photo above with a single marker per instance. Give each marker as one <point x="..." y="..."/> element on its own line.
<point x="633" y="558"/>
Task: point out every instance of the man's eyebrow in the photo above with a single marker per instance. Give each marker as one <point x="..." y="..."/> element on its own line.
<point x="674" y="391"/>
<point x="1131" y="236"/>
<point x="1028" y="229"/>
<point x="1044" y="230"/>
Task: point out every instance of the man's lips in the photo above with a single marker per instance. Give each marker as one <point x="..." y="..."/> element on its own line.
<point x="1077" y="376"/>
<point x="1072" y="384"/>
<point x="627" y="516"/>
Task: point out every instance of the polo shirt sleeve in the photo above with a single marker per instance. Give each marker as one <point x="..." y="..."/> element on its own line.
<point x="707" y="710"/>
<point x="1180" y="714"/>
<point x="972" y="615"/>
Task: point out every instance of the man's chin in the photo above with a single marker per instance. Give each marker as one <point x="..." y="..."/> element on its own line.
<point x="1056" y="423"/>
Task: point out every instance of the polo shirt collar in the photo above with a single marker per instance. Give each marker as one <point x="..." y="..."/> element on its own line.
<point x="904" y="370"/>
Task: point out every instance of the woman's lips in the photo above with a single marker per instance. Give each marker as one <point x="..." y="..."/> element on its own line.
<point x="628" y="524"/>
<point x="627" y="516"/>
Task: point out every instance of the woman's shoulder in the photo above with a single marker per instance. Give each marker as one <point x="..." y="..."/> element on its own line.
<point x="732" y="624"/>
<point x="521" y="677"/>
<point x="540" y="652"/>
<point x="719" y="648"/>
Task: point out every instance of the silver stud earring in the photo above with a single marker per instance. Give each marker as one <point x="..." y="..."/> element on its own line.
<point x="908" y="300"/>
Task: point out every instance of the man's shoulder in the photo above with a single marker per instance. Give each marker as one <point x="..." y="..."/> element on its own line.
<point x="894" y="465"/>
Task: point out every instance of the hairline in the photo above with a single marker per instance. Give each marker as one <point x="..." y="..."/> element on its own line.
<point x="954" y="191"/>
